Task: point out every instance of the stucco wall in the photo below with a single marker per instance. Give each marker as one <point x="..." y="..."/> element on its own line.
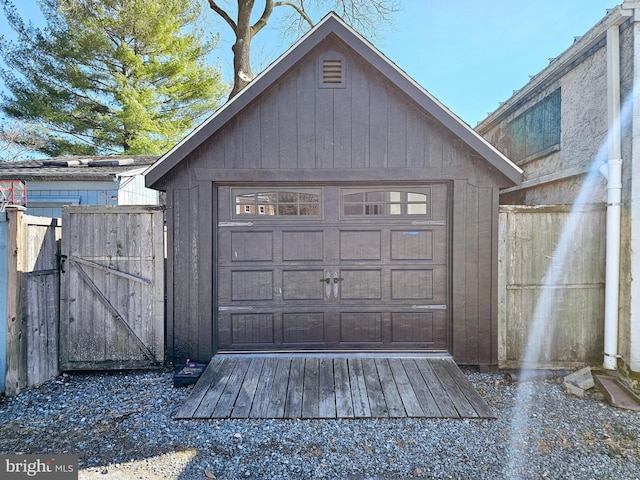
<point x="583" y="131"/>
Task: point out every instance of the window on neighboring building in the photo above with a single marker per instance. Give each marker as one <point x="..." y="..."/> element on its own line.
<point x="537" y="130"/>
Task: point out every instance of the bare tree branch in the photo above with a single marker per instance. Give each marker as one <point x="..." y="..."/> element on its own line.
<point x="298" y="9"/>
<point x="225" y="16"/>
<point x="18" y="140"/>
<point x="262" y="21"/>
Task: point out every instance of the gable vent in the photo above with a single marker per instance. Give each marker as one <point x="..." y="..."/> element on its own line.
<point x="332" y="71"/>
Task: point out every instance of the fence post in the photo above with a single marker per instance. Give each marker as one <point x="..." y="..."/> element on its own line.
<point x="16" y="373"/>
<point x="4" y="292"/>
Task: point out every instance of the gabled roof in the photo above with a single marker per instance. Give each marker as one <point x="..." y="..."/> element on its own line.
<point x="77" y="168"/>
<point x="333" y="25"/>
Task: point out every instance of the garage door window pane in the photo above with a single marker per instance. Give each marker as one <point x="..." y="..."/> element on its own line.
<point x="278" y="202"/>
<point x="386" y="202"/>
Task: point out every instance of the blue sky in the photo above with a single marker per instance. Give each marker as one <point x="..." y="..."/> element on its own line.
<point x="470" y="54"/>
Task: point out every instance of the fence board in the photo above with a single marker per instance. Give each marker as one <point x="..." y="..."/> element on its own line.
<point x="528" y="240"/>
<point x="31" y="301"/>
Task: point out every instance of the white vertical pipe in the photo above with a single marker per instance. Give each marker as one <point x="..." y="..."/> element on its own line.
<point x="614" y="197"/>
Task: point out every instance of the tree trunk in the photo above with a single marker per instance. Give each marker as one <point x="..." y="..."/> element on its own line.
<point x="242" y="73"/>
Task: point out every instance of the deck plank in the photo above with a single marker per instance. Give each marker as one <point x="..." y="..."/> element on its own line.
<point x="310" y="400"/>
<point x="474" y="398"/>
<point x="245" y="398"/>
<point x="293" y="405"/>
<point x="374" y="389"/>
<point x="205" y="381"/>
<point x="439" y="393"/>
<point x="314" y="387"/>
<point x="210" y="400"/>
<point x="228" y="398"/>
<point x="407" y="394"/>
<point x="458" y="399"/>
<point x="424" y="395"/>
<point x="327" y="393"/>
<point x="392" y="397"/>
<point x="278" y="395"/>
<point x="344" y="403"/>
<point x="361" y="408"/>
<point x="263" y="390"/>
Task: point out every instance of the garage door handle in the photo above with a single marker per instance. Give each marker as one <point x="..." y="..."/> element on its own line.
<point x="336" y="281"/>
<point x="327" y="284"/>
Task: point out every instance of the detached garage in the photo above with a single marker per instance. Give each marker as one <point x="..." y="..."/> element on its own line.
<point x="333" y="205"/>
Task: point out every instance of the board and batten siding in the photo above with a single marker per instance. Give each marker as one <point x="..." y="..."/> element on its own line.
<point x="574" y="305"/>
<point x="369" y="132"/>
<point x="368" y="125"/>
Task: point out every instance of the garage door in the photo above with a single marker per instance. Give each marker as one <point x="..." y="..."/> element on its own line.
<point x="333" y="268"/>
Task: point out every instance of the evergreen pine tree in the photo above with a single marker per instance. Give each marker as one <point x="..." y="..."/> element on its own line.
<point x="110" y="76"/>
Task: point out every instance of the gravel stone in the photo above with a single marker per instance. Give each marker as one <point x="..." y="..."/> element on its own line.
<point x="121" y="426"/>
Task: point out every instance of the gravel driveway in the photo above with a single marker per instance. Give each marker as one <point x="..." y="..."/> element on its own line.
<point x="121" y="427"/>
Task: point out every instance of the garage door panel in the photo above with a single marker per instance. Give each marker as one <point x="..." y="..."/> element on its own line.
<point x="359" y="284"/>
<point x="419" y="244"/>
<point x="356" y="327"/>
<point x="301" y="245"/>
<point x="251" y="246"/>
<point x="412" y="285"/>
<point x="360" y="245"/>
<point x="412" y="245"/>
<point x="251" y="285"/>
<point x="306" y="328"/>
<point x="412" y="327"/>
<point x="252" y="328"/>
<point x="427" y="329"/>
<point x="303" y="284"/>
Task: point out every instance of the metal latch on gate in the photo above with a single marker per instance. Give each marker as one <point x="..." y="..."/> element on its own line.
<point x="61" y="260"/>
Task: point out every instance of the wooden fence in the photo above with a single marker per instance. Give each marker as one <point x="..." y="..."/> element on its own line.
<point x="529" y="237"/>
<point x="29" y="299"/>
<point x="115" y="263"/>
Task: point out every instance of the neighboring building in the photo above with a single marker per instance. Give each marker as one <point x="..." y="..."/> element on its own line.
<point x="98" y="180"/>
<point x="333" y="204"/>
<point x="577" y="116"/>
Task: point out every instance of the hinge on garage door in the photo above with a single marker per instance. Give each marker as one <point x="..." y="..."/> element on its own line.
<point x="235" y="224"/>
<point x="429" y="222"/>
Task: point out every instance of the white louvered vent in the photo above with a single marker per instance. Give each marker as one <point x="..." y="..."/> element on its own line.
<point x="332" y="71"/>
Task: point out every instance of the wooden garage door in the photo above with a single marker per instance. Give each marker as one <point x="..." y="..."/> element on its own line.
<point x="331" y="267"/>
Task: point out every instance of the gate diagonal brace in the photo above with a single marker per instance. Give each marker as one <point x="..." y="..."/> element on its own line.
<point x="111" y="270"/>
<point x="145" y="350"/>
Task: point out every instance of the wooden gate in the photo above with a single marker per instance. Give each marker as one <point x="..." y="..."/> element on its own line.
<point x="528" y="238"/>
<point x="112" y="293"/>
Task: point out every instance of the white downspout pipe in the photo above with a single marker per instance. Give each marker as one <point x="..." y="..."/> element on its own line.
<point x="614" y="197"/>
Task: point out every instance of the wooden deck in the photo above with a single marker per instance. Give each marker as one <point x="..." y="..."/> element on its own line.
<point x="280" y="386"/>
